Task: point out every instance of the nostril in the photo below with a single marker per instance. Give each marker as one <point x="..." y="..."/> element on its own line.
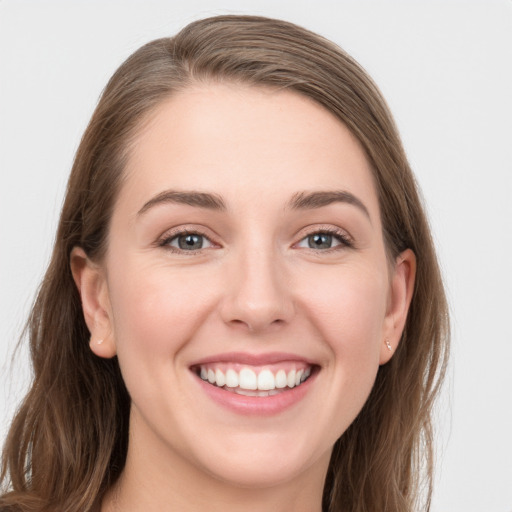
<point x="256" y="307"/>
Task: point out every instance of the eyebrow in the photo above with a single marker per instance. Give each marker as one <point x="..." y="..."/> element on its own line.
<point x="299" y="201"/>
<point x="191" y="198"/>
<point x="312" y="200"/>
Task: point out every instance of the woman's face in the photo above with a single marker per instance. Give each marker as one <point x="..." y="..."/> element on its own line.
<point x="245" y="289"/>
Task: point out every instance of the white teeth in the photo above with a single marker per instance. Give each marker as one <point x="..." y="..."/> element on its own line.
<point x="231" y="379"/>
<point x="266" y="380"/>
<point x="248" y="379"/>
<point x="247" y="382"/>
<point x="219" y="378"/>
<point x="250" y="392"/>
<point x="291" y="379"/>
<point x="281" y="379"/>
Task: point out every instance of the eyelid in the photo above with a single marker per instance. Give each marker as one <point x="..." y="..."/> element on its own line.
<point x="344" y="238"/>
<point x="170" y="234"/>
<point x="205" y="242"/>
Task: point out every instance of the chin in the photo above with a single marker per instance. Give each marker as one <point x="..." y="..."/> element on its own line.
<point x="261" y="472"/>
<point x="262" y="460"/>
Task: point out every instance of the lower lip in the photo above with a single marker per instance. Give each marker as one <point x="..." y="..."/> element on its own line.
<point x="257" y="405"/>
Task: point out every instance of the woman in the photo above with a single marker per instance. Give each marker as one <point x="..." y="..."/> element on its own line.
<point x="243" y="310"/>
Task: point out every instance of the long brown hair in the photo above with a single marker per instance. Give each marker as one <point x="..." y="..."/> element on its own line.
<point x="68" y="442"/>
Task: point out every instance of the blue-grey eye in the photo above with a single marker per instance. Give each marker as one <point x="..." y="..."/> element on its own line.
<point x="190" y="242"/>
<point x="321" y="241"/>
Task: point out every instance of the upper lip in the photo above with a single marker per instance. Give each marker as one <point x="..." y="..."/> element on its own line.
<point x="252" y="359"/>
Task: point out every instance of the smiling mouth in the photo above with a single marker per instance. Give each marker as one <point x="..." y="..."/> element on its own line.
<point x="251" y="381"/>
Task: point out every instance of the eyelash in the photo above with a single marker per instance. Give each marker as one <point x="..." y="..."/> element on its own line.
<point x="341" y="236"/>
<point x="169" y="237"/>
<point x="345" y="241"/>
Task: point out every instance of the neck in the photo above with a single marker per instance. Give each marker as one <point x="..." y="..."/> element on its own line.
<point x="129" y="497"/>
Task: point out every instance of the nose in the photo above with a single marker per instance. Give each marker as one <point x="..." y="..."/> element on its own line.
<point x="257" y="295"/>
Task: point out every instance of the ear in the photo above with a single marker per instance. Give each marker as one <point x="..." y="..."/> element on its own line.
<point x="92" y="286"/>
<point x="401" y="291"/>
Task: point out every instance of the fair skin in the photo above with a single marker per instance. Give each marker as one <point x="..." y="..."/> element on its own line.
<point x="246" y="237"/>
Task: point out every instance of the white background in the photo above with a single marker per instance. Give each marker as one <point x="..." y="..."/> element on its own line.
<point x="445" y="68"/>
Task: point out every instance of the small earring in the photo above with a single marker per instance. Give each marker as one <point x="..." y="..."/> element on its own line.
<point x="99" y="342"/>
<point x="388" y="344"/>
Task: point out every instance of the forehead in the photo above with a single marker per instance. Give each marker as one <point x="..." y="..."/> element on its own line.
<point x="244" y="141"/>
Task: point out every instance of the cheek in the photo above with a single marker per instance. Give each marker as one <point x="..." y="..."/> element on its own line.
<point x="349" y="308"/>
<point x="157" y="311"/>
